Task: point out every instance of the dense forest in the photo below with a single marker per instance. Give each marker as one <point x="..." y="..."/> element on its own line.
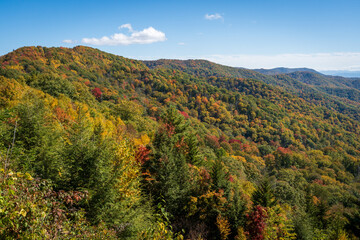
<point x="340" y="93"/>
<point x="98" y="146"/>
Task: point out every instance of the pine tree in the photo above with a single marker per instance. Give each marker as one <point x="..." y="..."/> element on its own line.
<point x="264" y="195"/>
<point x="193" y="155"/>
<point x="236" y="211"/>
<point x="219" y="176"/>
<point x="168" y="165"/>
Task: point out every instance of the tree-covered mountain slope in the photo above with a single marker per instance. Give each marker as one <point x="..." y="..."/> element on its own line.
<point x="204" y="68"/>
<point x="335" y="92"/>
<point x="188" y="151"/>
<point x="342" y="87"/>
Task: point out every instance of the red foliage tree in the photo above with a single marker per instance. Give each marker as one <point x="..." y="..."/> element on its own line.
<point x="284" y="151"/>
<point x="97" y="93"/>
<point x="184" y="114"/>
<point x="256" y="223"/>
<point x="213" y="141"/>
<point x="142" y="155"/>
<point x="235" y="140"/>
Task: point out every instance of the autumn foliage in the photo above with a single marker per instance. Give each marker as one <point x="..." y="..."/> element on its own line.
<point x="94" y="145"/>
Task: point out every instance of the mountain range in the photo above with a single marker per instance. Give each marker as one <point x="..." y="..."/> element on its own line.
<point x="282" y="70"/>
<point x="95" y="145"/>
<point x="306" y="83"/>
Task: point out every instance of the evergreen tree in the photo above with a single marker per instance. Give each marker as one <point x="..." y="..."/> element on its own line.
<point x="38" y="143"/>
<point x="236" y="211"/>
<point x="193" y="156"/>
<point x="263" y="195"/>
<point x="168" y="165"/>
<point x="220" y="178"/>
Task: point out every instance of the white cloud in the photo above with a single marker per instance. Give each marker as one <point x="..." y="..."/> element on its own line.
<point x="145" y="36"/>
<point x="128" y="26"/>
<point x="319" y="61"/>
<point x="181" y="43"/>
<point x="215" y="16"/>
<point x="68" y="41"/>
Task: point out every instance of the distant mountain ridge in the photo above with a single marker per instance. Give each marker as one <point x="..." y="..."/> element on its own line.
<point x="283" y="70"/>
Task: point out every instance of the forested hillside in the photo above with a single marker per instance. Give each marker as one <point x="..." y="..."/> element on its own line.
<point x="337" y="93"/>
<point x="97" y="146"/>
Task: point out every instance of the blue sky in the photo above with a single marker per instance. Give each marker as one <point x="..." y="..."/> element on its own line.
<point x="321" y="34"/>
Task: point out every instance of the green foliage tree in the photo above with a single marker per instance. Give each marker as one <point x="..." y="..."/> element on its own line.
<point x="38" y="144"/>
<point x="168" y="165"/>
<point x="263" y="195"/>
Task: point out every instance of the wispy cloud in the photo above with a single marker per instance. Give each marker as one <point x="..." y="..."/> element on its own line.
<point x="128" y="26"/>
<point x="181" y="43"/>
<point x="215" y="16"/>
<point x="145" y="36"/>
<point x="68" y="41"/>
<point x="319" y="61"/>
